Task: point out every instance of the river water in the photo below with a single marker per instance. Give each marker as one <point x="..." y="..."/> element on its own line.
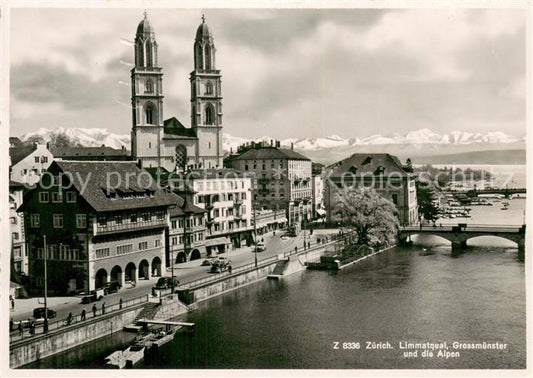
<point x="412" y="294"/>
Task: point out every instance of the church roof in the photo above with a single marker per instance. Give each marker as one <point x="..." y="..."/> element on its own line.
<point x="89" y="152"/>
<point x="174" y="128"/>
<point x="203" y="30"/>
<point x="145" y="27"/>
<point x="270" y="153"/>
<point x="360" y="164"/>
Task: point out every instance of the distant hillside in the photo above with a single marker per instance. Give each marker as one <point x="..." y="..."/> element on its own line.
<point x="476" y="157"/>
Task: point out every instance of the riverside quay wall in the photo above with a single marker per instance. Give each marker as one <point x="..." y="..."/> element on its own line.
<point x="28" y="350"/>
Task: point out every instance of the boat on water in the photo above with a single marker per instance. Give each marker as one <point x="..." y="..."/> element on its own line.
<point x="135" y="353"/>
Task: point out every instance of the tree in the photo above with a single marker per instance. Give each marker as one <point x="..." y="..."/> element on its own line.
<point x="60" y="140"/>
<point x="374" y="218"/>
<point x="425" y="195"/>
<point x="34" y="139"/>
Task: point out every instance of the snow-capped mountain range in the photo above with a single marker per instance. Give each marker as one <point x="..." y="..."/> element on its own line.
<point x="423" y="142"/>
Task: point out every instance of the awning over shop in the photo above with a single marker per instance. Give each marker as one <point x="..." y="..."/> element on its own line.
<point x="217" y="241"/>
<point x="262" y="224"/>
<point x="281" y="220"/>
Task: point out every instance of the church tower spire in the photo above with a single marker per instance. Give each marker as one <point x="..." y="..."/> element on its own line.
<point x="146" y="98"/>
<point x="206" y="99"/>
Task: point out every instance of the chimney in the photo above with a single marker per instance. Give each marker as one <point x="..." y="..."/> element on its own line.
<point x="231" y="150"/>
<point x="292" y="146"/>
<point x="271" y="142"/>
<point x="47" y="145"/>
<point x="278" y="144"/>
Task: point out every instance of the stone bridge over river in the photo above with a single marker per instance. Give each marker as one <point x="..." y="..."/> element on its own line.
<point x="459" y="234"/>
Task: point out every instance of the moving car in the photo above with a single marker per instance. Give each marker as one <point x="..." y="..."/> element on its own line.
<point x="209" y="261"/>
<point x="39" y="313"/>
<point x="93" y="296"/>
<point x="221" y="265"/>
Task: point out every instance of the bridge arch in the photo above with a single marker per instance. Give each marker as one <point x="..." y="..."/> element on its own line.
<point x="511" y="238"/>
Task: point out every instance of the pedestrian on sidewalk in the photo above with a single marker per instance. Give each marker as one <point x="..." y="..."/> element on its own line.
<point x="94" y="310"/>
<point x="120" y="304"/>
<point x="69" y="318"/>
<point x="229" y="269"/>
<point x="103" y="308"/>
<point x="12" y="300"/>
<point x="10" y="324"/>
<point x="21" y="331"/>
<point x="32" y="328"/>
<point x="82" y="314"/>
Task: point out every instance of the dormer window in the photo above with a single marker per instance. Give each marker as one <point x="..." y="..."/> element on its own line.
<point x="353" y="169"/>
<point x="379" y="170"/>
<point x="368" y="160"/>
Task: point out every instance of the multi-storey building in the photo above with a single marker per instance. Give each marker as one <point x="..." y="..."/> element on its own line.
<point x="169" y="144"/>
<point x="187" y="233"/>
<point x="225" y="194"/>
<point x="95" y="222"/>
<point x="102" y="153"/>
<point x="29" y="162"/>
<point x="317" y="184"/>
<point x="19" y="257"/>
<point x="382" y="172"/>
<point x="281" y="179"/>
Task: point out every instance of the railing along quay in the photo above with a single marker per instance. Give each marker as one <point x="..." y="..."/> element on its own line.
<point x="17" y="335"/>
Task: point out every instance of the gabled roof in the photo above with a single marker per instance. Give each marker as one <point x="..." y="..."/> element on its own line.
<point x="128" y="189"/>
<point x="64" y="152"/>
<point x="358" y="164"/>
<point x="174" y="128"/>
<point x="18" y="153"/>
<point x="263" y="153"/>
<point x="185" y="207"/>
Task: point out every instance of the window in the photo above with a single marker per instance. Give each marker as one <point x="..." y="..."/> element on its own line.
<point x="81" y="220"/>
<point x="44" y="159"/>
<point x="174" y="240"/>
<point x="143" y="245"/>
<point x="103" y="252"/>
<point x="102" y="221"/>
<point x="160" y="215"/>
<point x="15" y="235"/>
<point x="118" y="219"/>
<point x="43" y="197"/>
<point x="180" y="223"/>
<point x="133" y="218"/>
<point x="395" y="199"/>
<point x="149" y="114"/>
<point x="35" y="220"/>
<point x="146" y="217"/>
<point x="209" y="116"/>
<point x="148" y="86"/>
<point x="36" y="159"/>
<point x="174" y="224"/>
<point x="57" y="197"/>
<point x="13" y="220"/>
<point x="71" y="197"/>
<point x="158" y="242"/>
<point x="58" y="220"/>
<point x="122" y="249"/>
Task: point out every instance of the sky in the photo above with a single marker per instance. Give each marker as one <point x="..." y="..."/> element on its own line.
<point x="286" y="73"/>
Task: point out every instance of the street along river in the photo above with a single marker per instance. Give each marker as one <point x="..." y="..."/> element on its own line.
<point x="416" y="294"/>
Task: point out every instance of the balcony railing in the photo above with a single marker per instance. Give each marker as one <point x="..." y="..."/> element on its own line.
<point x="126" y="226"/>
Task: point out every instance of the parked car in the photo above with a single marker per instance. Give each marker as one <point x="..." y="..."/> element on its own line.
<point x="259" y="247"/>
<point x="165" y="283"/>
<point x="39" y="313"/>
<point x="112" y="287"/>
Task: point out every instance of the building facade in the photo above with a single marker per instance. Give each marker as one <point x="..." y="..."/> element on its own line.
<point x="382" y="172"/>
<point x="19" y="257"/>
<point x="281" y="179"/>
<point x="168" y="143"/>
<point x="29" y="162"/>
<point x="96" y="222"/>
<point x="225" y="195"/>
<point x="187" y="233"/>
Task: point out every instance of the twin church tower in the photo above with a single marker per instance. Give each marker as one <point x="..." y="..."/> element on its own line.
<point x="168" y="143"/>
